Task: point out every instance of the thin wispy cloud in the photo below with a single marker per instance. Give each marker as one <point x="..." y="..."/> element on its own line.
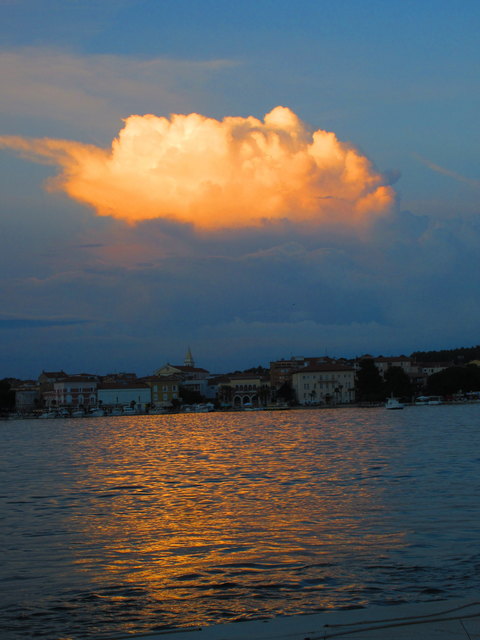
<point x="97" y="90"/>
<point x="447" y="172"/>
<point x="25" y="322"/>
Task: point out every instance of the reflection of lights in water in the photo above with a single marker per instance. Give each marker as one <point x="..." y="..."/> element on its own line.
<point x="214" y="507"/>
<point x="119" y="525"/>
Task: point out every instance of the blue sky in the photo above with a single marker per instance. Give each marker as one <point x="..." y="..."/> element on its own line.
<point x="397" y="80"/>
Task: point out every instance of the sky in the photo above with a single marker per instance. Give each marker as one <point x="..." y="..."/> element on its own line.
<point x="253" y="180"/>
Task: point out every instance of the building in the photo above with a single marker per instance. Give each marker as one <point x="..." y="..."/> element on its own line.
<point x="73" y="392"/>
<point x="125" y="393"/>
<point x="281" y="371"/>
<point x="430" y="368"/>
<point x="164" y="389"/>
<point x="242" y="390"/>
<point x="403" y="362"/>
<point x="27" y="396"/>
<point x="324" y="384"/>
<point x="192" y="377"/>
<point x="47" y="378"/>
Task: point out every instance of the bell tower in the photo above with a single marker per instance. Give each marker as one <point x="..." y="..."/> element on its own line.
<point x="189" y="361"/>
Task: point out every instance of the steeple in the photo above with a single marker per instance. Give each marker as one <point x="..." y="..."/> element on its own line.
<point x="189" y="361"/>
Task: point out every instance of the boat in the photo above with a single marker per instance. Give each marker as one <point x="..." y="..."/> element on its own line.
<point x="429" y="400"/>
<point x="393" y="403"/>
<point x="157" y="412"/>
<point x="48" y="414"/>
<point x="96" y="413"/>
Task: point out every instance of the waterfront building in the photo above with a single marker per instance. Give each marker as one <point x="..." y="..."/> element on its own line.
<point x="324" y="384"/>
<point x="193" y="378"/>
<point x="281" y="371"/>
<point x="78" y="391"/>
<point x="27" y="395"/>
<point x="243" y="390"/>
<point x="126" y="393"/>
<point x="164" y="389"/>
<point x="47" y="378"/>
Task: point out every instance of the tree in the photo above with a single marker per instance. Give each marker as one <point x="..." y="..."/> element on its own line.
<point x="397" y="383"/>
<point x="259" y="371"/>
<point x="264" y="393"/>
<point x="369" y="382"/>
<point x="454" y="379"/>
<point x="225" y="394"/>
<point x="286" y="393"/>
<point x="7" y="396"/>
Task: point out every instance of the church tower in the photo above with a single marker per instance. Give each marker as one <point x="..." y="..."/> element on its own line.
<point x="189" y="361"/>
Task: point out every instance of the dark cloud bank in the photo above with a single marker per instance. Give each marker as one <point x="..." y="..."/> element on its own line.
<point x="245" y="297"/>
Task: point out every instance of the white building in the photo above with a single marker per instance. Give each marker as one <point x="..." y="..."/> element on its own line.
<point x="72" y="391"/>
<point x="116" y="394"/>
<point x="324" y="384"/>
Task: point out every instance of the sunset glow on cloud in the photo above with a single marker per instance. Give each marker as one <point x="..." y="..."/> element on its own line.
<point x="230" y="173"/>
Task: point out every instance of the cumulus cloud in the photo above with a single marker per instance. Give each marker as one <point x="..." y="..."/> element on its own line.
<point x="217" y="174"/>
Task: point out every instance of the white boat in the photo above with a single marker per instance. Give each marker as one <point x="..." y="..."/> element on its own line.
<point x="96" y="413"/>
<point x="424" y="400"/>
<point x="48" y="414"/>
<point x="78" y="413"/>
<point x="393" y="403"/>
<point x="129" y="411"/>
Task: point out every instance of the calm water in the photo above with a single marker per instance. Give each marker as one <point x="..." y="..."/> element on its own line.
<point x="115" y="525"/>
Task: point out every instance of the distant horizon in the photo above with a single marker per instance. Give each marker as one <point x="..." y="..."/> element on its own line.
<point x="79" y="371"/>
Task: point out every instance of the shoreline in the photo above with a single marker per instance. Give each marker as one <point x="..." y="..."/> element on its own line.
<point x="353" y="405"/>
<point x="456" y="619"/>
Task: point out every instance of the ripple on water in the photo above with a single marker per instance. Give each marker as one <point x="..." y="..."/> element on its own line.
<point x="115" y="525"/>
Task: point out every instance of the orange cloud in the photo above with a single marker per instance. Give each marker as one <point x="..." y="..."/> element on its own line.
<point x="230" y="173"/>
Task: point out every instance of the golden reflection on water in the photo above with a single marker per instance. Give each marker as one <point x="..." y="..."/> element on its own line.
<point x="237" y="508"/>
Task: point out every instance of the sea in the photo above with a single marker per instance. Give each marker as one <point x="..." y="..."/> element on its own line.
<point x="120" y="525"/>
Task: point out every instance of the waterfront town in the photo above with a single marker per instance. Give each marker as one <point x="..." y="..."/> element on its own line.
<point x="296" y="381"/>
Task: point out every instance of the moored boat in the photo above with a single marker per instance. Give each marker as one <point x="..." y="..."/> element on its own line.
<point x="392" y="403"/>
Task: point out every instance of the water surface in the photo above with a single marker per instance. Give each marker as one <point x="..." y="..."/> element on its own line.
<point x="115" y="525"/>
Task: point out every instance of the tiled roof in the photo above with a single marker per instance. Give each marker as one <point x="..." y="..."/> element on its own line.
<point x="73" y="379"/>
<point x="173" y="377"/>
<point x="123" y="387"/>
<point x="324" y="367"/>
<point x="54" y="374"/>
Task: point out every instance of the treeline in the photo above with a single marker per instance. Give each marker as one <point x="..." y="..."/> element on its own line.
<point x="454" y="380"/>
<point x="7" y="396"/>
<point x="462" y="355"/>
